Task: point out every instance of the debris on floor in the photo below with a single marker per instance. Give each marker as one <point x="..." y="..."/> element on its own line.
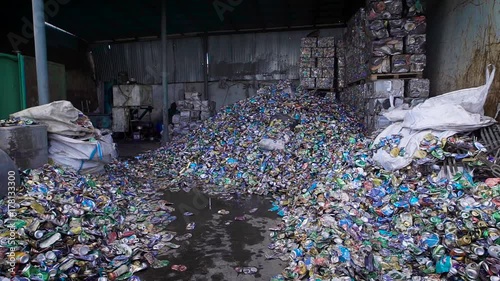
<point x="343" y="216"/>
<point x="63" y="225"/>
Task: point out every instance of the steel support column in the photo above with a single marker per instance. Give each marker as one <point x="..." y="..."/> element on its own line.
<point x="166" y="134"/>
<point x="42" y="76"/>
<point x="205" y="66"/>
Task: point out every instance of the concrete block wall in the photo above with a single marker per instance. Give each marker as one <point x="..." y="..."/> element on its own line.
<point x="26" y="145"/>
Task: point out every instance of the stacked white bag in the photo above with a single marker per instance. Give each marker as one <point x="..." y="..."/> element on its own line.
<point x="79" y="146"/>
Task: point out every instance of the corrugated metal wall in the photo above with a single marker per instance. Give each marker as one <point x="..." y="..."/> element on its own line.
<point x="252" y="56"/>
<point x="142" y="60"/>
<point x="463" y="37"/>
<point x="57" y="81"/>
<point x="246" y="59"/>
<point x="188" y="60"/>
<point x="231" y="55"/>
<point x="260" y="56"/>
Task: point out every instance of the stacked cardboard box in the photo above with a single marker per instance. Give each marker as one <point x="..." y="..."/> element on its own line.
<point x="317" y="62"/>
<point x="193" y="110"/>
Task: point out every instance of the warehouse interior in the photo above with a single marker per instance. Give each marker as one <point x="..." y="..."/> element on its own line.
<point x="250" y="125"/>
<point x="252" y="44"/>
<point x="133" y="46"/>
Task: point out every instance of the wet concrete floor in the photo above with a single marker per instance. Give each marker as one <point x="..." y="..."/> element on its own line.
<point x="128" y="149"/>
<point x="219" y="243"/>
<point x="216" y="247"/>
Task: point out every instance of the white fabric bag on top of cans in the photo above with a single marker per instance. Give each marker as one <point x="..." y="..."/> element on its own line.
<point x="60" y="118"/>
<point x="410" y="141"/>
<point x="460" y="110"/>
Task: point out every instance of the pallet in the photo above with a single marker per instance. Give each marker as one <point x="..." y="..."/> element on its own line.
<point x="382" y="76"/>
<point x="355" y="83"/>
<point x="320" y="89"/>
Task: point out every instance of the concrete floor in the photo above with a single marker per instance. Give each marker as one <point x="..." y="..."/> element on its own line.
<point x="128" y="149"/>
<point x="219" y="243"/>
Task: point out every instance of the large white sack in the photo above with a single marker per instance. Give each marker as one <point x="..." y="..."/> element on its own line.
<point x="442" y="116"/>
<point x="83" y="156"/>
<point x="99" y="150"/>
<point x="460" y="110"/>
<point x="80" y="166"/>
<point x="445" y="117"/>
<point x="470" y="99"/>
<point x="270" y="144"/>
<point x="59" y="116"/>
<point x="410" y="141"/>
<point x="396" y="114"/>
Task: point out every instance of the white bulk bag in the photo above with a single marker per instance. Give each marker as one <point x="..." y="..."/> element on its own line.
<point x="83" y="156"/>
<point x="470" y="99"/>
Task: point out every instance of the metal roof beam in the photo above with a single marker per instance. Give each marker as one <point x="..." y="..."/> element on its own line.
<point x="241" y="31"/>
<point x="126" y="19"/>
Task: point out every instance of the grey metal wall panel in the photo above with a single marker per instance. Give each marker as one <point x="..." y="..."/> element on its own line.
<point x="220" y="48"/>
<point x="462" y="38"/>
<point x="231" y="55"/>
<point x="243" y="48"/>
<point x="267" y="52"/>
<point x="251" y="56"/>
<point x="188" y="59"/>
<point x="142" y="61"/>
<point x="260" y="56"/>
<point x="289" y="58"/>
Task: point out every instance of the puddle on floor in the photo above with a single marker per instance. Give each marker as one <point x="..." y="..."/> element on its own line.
<point x="219" y="243"/>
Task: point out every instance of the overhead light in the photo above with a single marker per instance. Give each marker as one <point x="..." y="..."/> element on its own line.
<point x="60" y="29"/>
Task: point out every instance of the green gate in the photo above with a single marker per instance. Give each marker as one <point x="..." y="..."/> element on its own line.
<point x="12" y="85"/>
